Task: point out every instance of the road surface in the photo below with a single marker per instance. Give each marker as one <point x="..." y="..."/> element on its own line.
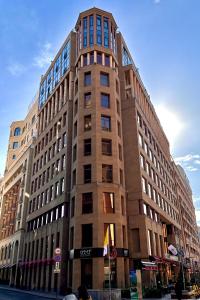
<point x="13" y="295"/>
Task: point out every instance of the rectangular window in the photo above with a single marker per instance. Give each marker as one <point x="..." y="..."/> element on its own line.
<point x="87" y="100"/>
<point x="87" y="123"/>
<point x="87" y="79"/>
<point x="62" y="186"/>
<point x="108" y="202"/>
<point x="98" y="30"/>
<point x="86" y="272"/>
<point x="87" y="173"/>
<point x="85" y="59"/>
<point x="91" y="24"/>
<point x="107" y="60"/>
<point x="87" y="147"/>
<point x="142" y="161"/>
<point x="120" y="151"/>
<point x="109" y="234"/>
<point x="74" y="178"/>
<point x="144" y="185"/>
<point x="91" y="58"/>
<point x="105" y="100"/>
<point x="75" y="129"/>
<point x="106" y="147"/>
<point x="56" y="189"/>
<point x="63" y="162"/>
<point x="74" y="153"/>
<point x="64" y="141"/>
<point x="104" y="79"/>
<point x="99" y="58"/>
<point x="140" y="140"/>
<point x="87" y="235"/>
<point x="105" y="123"/>
<point x="72" y="207"/>
<point x="107" y="173"/>
<point x="85" y="32"/>
<point x="106" y="32"/>
<point x="87" y="203"/>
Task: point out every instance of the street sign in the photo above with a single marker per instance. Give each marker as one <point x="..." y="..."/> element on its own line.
<point x="57" y="268"/>
<point x="57" y="251"/>
<point x="57" y="258"/>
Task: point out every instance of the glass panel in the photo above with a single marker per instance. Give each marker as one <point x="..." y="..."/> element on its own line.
<point x="66" y="57"/>
<point x="99" y="33"/>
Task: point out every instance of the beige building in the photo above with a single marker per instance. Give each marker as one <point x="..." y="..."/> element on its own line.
<point x="103" y="183"/>
<point x="15" y="195"/>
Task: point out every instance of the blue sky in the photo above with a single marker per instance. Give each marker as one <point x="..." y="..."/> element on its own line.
<point x="162" y="35"/>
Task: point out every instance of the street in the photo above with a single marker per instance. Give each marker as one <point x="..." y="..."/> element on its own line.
<point x="13" y="295"/>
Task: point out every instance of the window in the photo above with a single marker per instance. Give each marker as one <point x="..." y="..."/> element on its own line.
<point x="123" y="206"/>
<point x="64" y="139"/>
<point x="72" y="207"/>
<point x="63" y="162"/>
<point x="87" y="173"/>
<point x="87" y="147"/>
<point x="99" y="58"/>
<point x="105" y="100"/>
<point x="87" y="235"/>
<point x="121" y="177"/>
<point x="87" y="203"/>
<point x="17" y="131"/>
<point x="74" y="153"/>
<point x="120" y="151"/>
<point x="142" y="161"/>
<point x="104" y="79"/>
<point x="140" y="140"/>
<point x="98" y="30"/>
<point x="85" y="59"/>
<point x="62" y="186"/>
<point x="149" y="190"/>
<point x="106" y="123"/>
<point x="91" y="30"/>
<point x="14" y="156"/>
<point x="108" y="202"/>
<point x="106" y="32"/>
<point x="107" y="60"/>
<point x="87" y="123"/>
<point x="51" y="193"/>
<point x="91" y="58"/>
<point x="109" y="234"/>
<point x="87" y="100"/>
<point x="106" y="146"/>
<point x="74" y="178"/>
<point x="15" y="145"/>
<point x="144" y="185"/>
<point x="75" y="129"/>
<point x="118" y="128"/>
<point x="145" y="209"/>
<point x="87" y="79"/>
<point x="85" y="32"/>
<point x="107" y="173"/>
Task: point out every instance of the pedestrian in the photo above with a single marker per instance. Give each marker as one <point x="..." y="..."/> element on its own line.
<point x="178" y="289"/>
<point x="69" y="295"/>
<point x="83" y="293"/>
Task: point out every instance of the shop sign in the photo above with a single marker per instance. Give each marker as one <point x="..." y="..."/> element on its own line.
<point x="171" y="257"/>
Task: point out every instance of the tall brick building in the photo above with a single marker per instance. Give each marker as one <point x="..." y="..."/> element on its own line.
<point x="102" y="172"/>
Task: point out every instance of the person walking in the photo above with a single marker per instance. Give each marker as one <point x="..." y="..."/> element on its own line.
<point x="69" y="295"/>
<point x="83" y="293"/>
<point x="178" y="289"/>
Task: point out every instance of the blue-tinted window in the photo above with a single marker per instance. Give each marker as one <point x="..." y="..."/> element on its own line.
<point x="66" y="57"/>
<point x="99" y="58"/>
<point x="87" y="78"/>
<point x="105" y="100"/>
<point x="106" y="123"/>
<point x="99" y="33"/>
<point x="106" y="33"/>
<point x="91" y="58"/>
<point x="107" y="60"/>
<point x="17" y="131"/>
<point x="104" y="79"/>
<point x="126" y="59"/>
<point x="85" y="32"/>
<point x="42" y="93"/>
<point x="91" y="30"/>
<point x="15" y="145"/>
<point x="57" y="69"/>
<point x="49" y="83"/>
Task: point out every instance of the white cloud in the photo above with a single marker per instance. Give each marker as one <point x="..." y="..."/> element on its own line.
<point x="197" y="212"/>
<point x="16" y="69"/>
<point x="191" y="168"/>
<point x="156" y="1"/>
<point x="190" y="162"/>
<point x="172" y="124"/>
<point x="44" y="57"/>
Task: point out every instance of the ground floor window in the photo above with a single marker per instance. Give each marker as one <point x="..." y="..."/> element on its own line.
<point x="110" y="273"/>
<point x="86" y="273"/>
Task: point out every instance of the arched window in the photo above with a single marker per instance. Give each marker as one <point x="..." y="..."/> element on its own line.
<point x="17" y="131"/>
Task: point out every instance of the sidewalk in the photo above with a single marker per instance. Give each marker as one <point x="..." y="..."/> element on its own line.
<point x="31" y="292"/>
